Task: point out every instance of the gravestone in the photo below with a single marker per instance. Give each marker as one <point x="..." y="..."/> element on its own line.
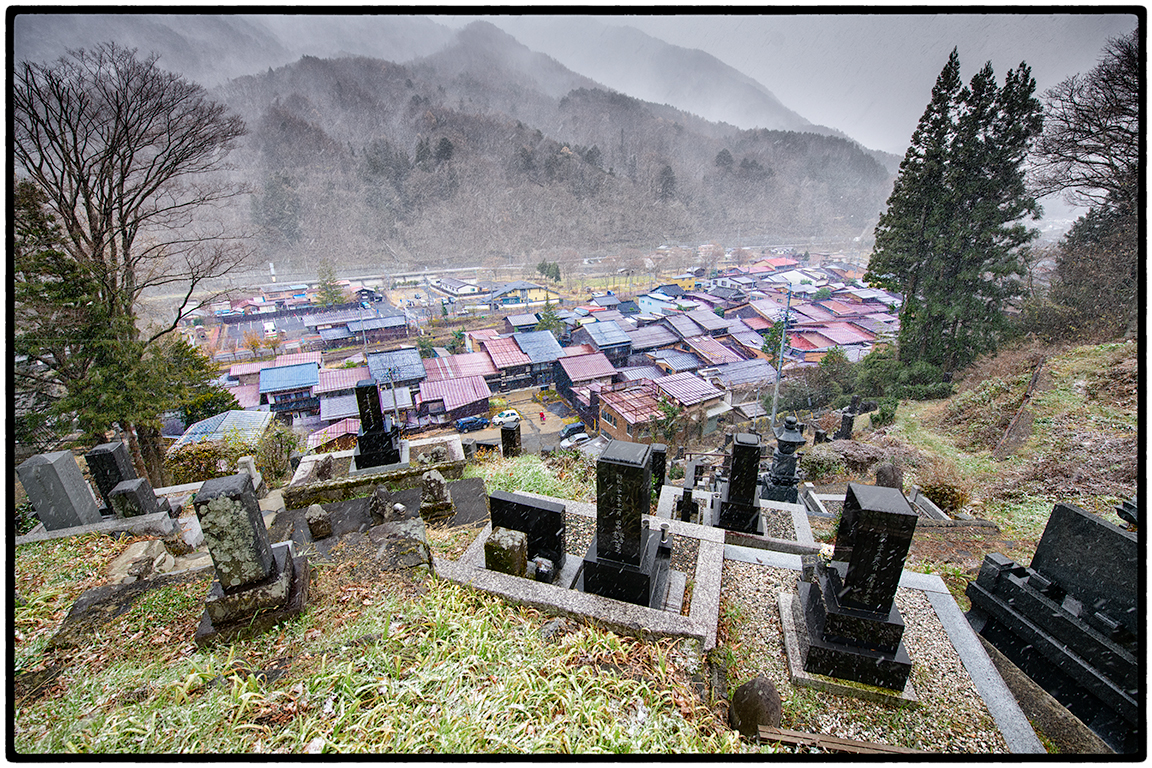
<point x="378" y="442"/>
<point x="506" y="551"/>
<point x="510" y="439"/>
<point x="132" y="498"/>
<point x="735" y="507"/>
<point x="888" y="475"/>
<point x="850" y="627"/>
<point x="58" y="492"/>
<point x="541" y="521"/>
<point x="847" y="420"/>
<point x="783" y="477"/>
<point x="110" y="465"/>
<point x="1072" y="621"/>
<point x="248" y="464"/>
<point x="686" y="506"/>
<point x="624" y="561"/>
<point x="659" y="464"/>
<point x="257" y="584"/>
<point x="435" y="498"/>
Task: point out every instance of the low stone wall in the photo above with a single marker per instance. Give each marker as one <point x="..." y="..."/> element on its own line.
<point x="352" y="487"/>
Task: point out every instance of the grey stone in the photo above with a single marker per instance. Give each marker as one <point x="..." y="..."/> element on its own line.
<point x="318" y="523"/>
<point x="506" y="551"/>
<point x="234" y="531"/>
<point x="325" y="468"/>
<point x="133" y="498"/>
<point x="755" y="703"/>
<point x="889" y="475"/>
<point x="57" y="490"/>
<point x="552" y="631"/>
<point x="435" y="498"/>
<point x="224" y="607"/>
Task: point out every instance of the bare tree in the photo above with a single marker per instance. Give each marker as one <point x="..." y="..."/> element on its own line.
<point x="128" y="157"/>
<point x="1091" y="145"/>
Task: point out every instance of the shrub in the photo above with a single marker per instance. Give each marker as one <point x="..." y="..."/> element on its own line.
<point x="936" y="391"/>
<point x="885" y="413"/>
<point x="275" y="450"/>
<point x="198" y="461"/>
<point x="822" y="464"/>
<point x="26" y="519"/>
<point x="946" y="487"/>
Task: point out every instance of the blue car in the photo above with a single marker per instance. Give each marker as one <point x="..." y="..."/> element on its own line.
<point x="471" y="423"/>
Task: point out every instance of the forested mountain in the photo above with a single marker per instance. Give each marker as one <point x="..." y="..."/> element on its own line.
<point x="487" y="149"/>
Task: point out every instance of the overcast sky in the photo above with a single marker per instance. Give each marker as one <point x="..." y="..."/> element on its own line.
<point x="871" y="75"/>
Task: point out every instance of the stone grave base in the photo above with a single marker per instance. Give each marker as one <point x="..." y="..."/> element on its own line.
<point x="796" y="540"/>
<point x="242" y="625"/>
<point x="156" y="524"/>
<point x="644" y="584"/>
<point x="355" y="471"/>
<point x="794" y="642"/>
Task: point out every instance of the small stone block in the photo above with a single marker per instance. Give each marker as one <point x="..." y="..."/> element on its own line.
<point x="319" y="525"/>
<point x="228" y="606"/>
<point x="506" y="551"/>
<point x="132" y="498"/>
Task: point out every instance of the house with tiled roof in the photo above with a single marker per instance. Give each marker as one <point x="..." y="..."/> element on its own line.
<point x="521" y="322"/>
<point x="701" y="402"/>
<point x="444" y="401"/>
<point x="515" y="367"/>
<point x="290" y="389"/>
<point x="398" y="367"/>
<point x="711" y="351"/>
<point x="460" y="365"/>
<point x="606" y="337"/>
<point x="543" y="351"/>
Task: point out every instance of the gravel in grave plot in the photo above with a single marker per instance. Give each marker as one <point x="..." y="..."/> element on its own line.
<point x="778" y="525"/>
<point x="951" y="716"/>
<point x="579" y="530"/>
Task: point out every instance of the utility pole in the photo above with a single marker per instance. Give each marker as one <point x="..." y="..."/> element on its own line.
<point x="780" y="358"/>
<point x="395" y="407"/>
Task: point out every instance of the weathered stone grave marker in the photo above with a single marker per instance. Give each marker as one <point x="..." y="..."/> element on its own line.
<point x="541" y="521"/>
<point x="625" y="561"/>
<point x="435" y="498"/>
<point x="258" y="584"/>
<point x="1071" y="620"/>
<point x="850" y="627"/>
<point x="132" y="498"/>
<point x="735" y="507"/>
<point x="58" y="491"/>
<point x="110" y="465"/>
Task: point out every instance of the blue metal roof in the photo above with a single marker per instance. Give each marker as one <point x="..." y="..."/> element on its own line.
<point x="247" y="425"/>
<point x="406" y="366"/>
<point x="288" y="377"/>
<point x="607" y="334"/>
<point x="677" y="360"/>
<point x="540" y="346"/>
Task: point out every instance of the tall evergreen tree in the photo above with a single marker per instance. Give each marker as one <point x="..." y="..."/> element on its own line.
<point x="949" y="241"/>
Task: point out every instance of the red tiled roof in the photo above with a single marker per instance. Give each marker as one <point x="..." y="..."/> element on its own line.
<point x="243" y="369"/>
<point x="505" y="353"/>
<point x="297" y="358"/>
<point x="636" y="404"/>
<point x="334" y="380"/>
<point x="578" y="349"/>
<point x="328" y="434"/>
<point x="586" y="367"/>
<point x="247" y="395"/>
<point x="757" y="323"/>
<point x="457" y="366"/>
<point x="846" y="333"/>
<point x="455" y="393"/>
<point x="841" y="309"/>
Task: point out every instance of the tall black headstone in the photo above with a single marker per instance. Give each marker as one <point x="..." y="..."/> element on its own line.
<point x="659" y="464"/>
<point x="737" y="508"/>
<point x="510" y="439"/>
<point x="852" y="628"/>
<point x="1071" y="621"/>
<point x="110" y="465"/>
<point x="378" y="442"/>
<point x="624" y="562"/>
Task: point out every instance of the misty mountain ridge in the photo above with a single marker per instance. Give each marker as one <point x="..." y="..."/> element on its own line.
<point x="483" y="148"/>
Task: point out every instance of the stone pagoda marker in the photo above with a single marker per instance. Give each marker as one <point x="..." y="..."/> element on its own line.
<point x="850" y="627"/>
<point x="625" y="560"/>
<point x="258" y="584"/>
<point x="378" y="442"/>
<point x="782" y="478"/>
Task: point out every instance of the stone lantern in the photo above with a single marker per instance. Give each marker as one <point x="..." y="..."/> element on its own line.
<point x="782" y="478"/>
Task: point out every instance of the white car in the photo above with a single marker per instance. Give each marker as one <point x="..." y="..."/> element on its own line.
<point x="506" y="417"/>
<point x="575" y="440"/>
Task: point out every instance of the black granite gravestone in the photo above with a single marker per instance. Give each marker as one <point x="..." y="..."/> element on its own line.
<point x="736" y="507"/>
<point x="1071" y="621"/>
<point x="542" y="521"/>
<point x="659" y="463"/>
<point x="624" y="561"/>
<point x="851" y="628"/>
<point x="686" y="506"/>
<point x="510" y="439"/>
<point x="378" y="442"/>
<point x="110" y="465"/>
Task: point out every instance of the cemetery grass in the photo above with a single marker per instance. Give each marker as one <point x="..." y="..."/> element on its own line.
<point x="389" y="663"/>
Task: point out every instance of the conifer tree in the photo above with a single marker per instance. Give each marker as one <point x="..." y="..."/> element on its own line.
<point x="949" y="241"/>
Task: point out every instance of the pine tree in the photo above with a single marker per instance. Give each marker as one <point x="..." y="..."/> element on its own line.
<point x="950" y="238"/>
<point x="328" y="290"/>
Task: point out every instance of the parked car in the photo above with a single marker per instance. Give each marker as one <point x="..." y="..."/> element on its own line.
<point x="471" y="423"/>
<point x="575" y="440"/>
<point x="571" y="429"/>
<point x="506" y="417"/>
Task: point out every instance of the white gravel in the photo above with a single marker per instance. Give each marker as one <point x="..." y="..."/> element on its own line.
<point x="951" y="716"/>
